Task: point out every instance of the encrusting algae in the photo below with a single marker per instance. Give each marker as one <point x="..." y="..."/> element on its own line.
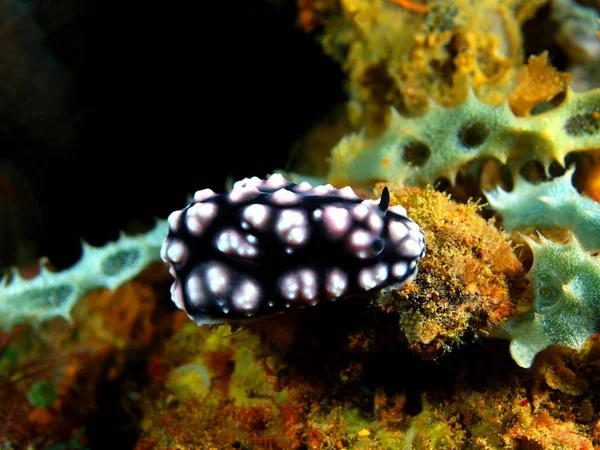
<point x="468" y="282"/>
<point x="51" y="375"/>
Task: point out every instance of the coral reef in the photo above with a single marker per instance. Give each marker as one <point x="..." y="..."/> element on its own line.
<point x="475" y="352"/>
<point x="217" y="388"/>
<point x="225" y="393"/>
<point x="50" y="375"/>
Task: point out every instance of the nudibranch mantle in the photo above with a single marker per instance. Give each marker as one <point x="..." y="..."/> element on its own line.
<point x="268" y="245"/>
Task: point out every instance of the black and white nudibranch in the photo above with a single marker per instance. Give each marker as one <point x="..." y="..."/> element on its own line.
<point x="268" y="245"/>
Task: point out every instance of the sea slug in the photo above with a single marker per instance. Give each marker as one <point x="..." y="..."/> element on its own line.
<point x="271" y="244"/>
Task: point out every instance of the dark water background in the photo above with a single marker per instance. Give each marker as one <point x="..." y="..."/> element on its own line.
<point x="121" y="109"/>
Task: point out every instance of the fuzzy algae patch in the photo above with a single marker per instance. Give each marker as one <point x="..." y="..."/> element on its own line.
<point x="467" y="281"/>
<point x="220" y="390"/>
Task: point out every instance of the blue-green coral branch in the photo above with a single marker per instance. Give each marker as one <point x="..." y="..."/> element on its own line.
<point x="53" y="294"/>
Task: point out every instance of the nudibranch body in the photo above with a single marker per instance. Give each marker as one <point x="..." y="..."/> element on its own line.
<point x="268" y="245"/>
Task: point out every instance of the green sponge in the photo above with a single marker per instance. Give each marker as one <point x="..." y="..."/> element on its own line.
<point x="52" y="294"/>
<point x="421" y="150"/>
<point x="566" y="310"/>
<point x="552" y="204"/>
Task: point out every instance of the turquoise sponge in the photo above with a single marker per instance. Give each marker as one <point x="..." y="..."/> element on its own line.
<point x="51" y="294"/>
<point x="553" y="204"/>
<point x="421" y="150"/>
<point x="566" y="310"/>
<point x="565" y="278"/>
